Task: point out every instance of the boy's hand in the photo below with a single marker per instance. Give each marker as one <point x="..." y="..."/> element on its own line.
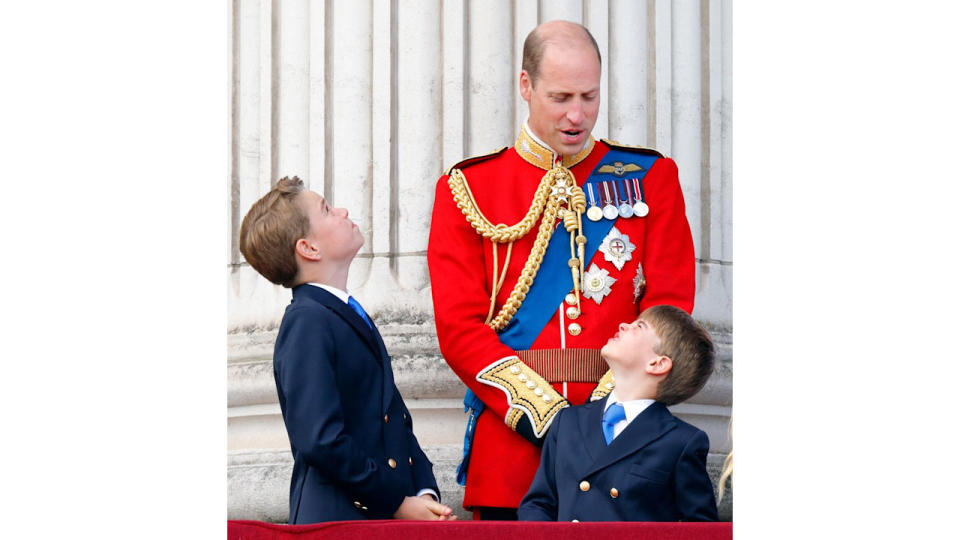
<point x="423" y="508"/>
<point x="442" y="511"/>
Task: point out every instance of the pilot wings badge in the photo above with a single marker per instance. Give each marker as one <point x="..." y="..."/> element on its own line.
<point x="618" y="168"/>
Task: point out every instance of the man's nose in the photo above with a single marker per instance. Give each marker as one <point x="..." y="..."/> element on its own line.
<point x="575" y="112"/>
<point x="343" y="211"/>
<point x="624" y="326"/>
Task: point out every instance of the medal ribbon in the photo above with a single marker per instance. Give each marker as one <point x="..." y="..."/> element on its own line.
<point x="606" y="189"/>
<point x="637" y="189"/>
<point x="616" y="192"/>
<point x="592" y="198"/>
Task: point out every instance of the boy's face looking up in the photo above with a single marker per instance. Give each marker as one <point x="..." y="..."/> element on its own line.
<point x="632" y="346"/>
<point x="332" y="234"/>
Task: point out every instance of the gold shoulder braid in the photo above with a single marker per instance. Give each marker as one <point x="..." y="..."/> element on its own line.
<point x="557" y="187"/>
<point x="604" y="386"/>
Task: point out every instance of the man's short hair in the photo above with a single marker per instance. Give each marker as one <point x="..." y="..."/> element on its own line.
<point x="689" y="347"/>
<point x="270" y="230"/>
<point x="535" y="45"/>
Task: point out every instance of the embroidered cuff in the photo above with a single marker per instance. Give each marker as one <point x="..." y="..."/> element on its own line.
<point x="527" y="393"/>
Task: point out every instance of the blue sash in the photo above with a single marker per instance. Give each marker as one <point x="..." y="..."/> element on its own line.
<point x="551" y="285"/>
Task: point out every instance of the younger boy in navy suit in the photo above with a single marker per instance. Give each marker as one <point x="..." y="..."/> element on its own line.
<point x="625" y="457"/>
<point x="354" y="452"/>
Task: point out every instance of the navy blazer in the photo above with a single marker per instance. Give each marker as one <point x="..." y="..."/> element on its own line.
<point x="655" y="470"/>
<point x="354" y="452"/>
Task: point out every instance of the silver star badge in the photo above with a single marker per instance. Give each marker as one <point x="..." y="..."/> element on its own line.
<point x="617" y="248"/>
<point x="597" y="283"/>
<point x="639" y="284"/>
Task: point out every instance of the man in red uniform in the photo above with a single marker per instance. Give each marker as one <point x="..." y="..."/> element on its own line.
<point x="537" y="253"/>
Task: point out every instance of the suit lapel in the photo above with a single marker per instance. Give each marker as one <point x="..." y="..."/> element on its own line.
<point x="387" y="370"/>
<point x="648" y="426"/>
<point x="344" y="312"/>
<point x="590" y="430"/>
<point x="371" y="336"/>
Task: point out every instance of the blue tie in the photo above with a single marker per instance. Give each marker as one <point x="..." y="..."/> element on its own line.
<point x="613" y="414"/>
<point x="354" y="305"/>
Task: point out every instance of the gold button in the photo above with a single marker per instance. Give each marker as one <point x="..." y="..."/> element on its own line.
<point x="572" y="312"/>
<point x="571" y="299"/>
<point x="392" y="463"/>
<point x="614" y="493"/>
<point x="547" y="398"/>
<point x="531" y="385"/>
<point x="574" y="329"/>
<point x="574" y="521"/>
<point x="386" y="418"/>
<point x="364" y="508"/>
<point x="410" y="461"/>
<point x="357" y="504"/>
<point x="538" y="391"/>
<point x="584" y="486"/>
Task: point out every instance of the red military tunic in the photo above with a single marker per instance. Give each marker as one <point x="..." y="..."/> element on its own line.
<point x="503" y="463"/>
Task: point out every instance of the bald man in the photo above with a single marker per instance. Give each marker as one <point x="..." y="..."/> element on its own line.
<point x="537" y="252"/>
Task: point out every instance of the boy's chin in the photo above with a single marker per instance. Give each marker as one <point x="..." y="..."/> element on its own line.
<point x="605" y="353"/>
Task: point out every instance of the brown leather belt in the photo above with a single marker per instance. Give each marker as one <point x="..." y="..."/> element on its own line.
<point x="565" y="365"/>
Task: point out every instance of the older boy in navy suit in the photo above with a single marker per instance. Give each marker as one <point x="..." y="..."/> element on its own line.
<point x="626" y="458"/>
<point x="354" y="452"/>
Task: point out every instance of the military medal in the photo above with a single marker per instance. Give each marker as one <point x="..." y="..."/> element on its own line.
<point x="609" y="210"/>
<point x="640" y="208"/>
<point x="594" y="213"/>
<point x="617" y="248"/>
<point x="624" y="209"/>
<point x="639" y="284"/>
<point x="597" y="283"/>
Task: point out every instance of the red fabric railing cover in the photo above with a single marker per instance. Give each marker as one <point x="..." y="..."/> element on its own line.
<point x="480" y="530"/>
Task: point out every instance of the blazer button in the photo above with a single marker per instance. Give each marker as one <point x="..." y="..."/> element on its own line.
<point x="614" y="493"/>
<point x="357" y="504"/>
<point x="410" y="461"/>
<point x="392" y="463"/>
<point x="386" y="418"/>
<point x="584" y="486"/>
<point x="574" y="521"/>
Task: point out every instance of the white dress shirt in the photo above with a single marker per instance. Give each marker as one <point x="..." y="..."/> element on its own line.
<point x="631" y="409"/>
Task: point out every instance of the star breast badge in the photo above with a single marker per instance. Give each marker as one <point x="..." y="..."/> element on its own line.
<point x="617" y="248"/>
<point x="597" y="283"/>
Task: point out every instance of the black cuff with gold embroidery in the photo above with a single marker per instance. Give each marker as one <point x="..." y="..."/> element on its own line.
<point x="532" y="401"/>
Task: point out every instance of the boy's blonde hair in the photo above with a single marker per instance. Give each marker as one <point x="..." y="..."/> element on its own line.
<point x="689" y="347"/>
<point x="270" y="230"/>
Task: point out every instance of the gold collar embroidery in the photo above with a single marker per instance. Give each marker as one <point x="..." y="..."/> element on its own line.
<point x="538" y="155"/>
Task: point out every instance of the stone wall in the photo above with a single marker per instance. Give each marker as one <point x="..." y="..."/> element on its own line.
<point x="370" y="101"/>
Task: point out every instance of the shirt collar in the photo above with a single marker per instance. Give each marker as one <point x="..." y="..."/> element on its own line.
<point x="536" y="152"/>
<point x="631" y="408"/>
<point x="342" y="295"/>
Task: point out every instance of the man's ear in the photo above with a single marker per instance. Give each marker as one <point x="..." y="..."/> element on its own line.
<point x="307" y="250"/>
<point x="526" y="85"/>
<point x="660" y="365"/>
